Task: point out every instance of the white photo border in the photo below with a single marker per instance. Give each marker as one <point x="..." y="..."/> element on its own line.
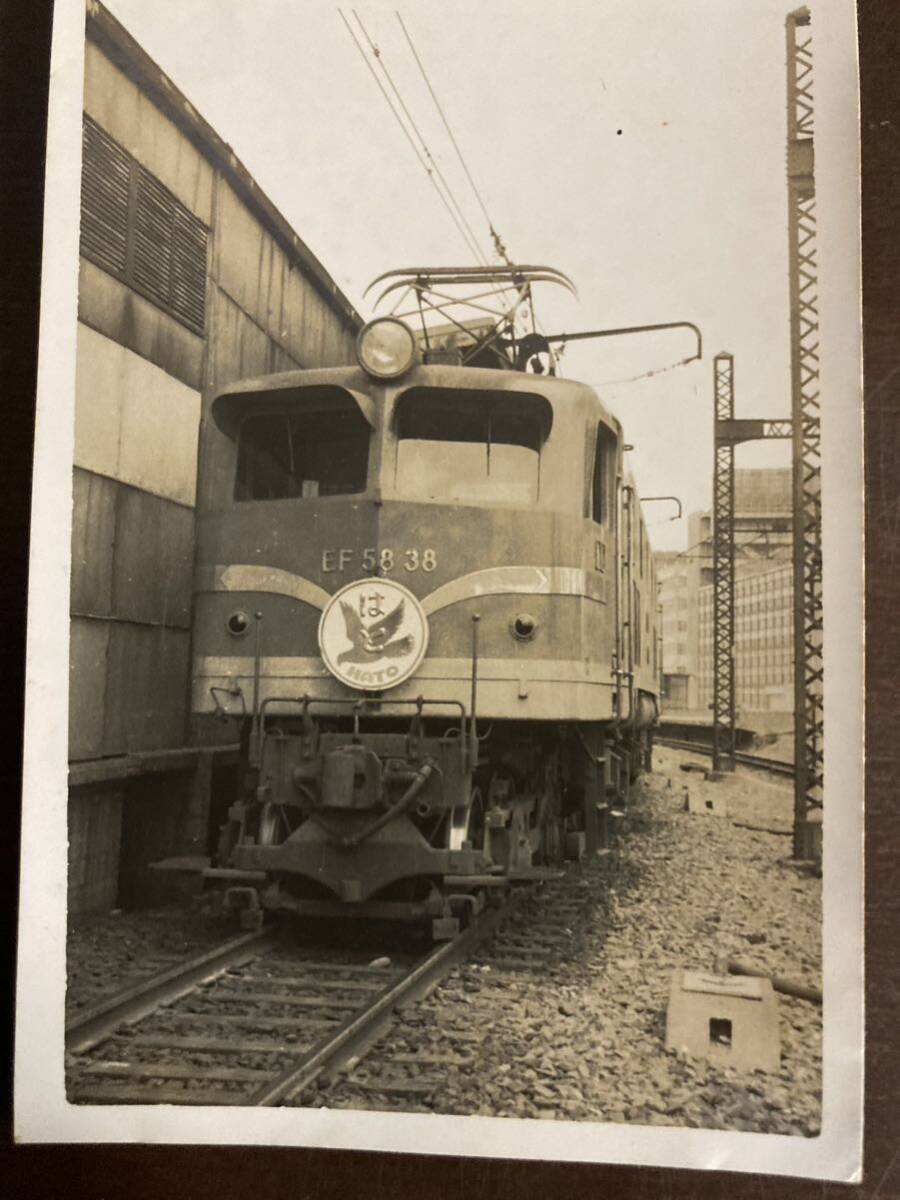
<point x="42" y="1113"/>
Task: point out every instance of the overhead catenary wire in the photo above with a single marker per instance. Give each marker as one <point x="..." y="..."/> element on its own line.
<point x="762" y="533"/>
<point x="682" y="362"/>
<point x="409" y="138"/>
<point x="472" y="248"/>
<point x="378" y="55"/>
<point x="499" y="247"/>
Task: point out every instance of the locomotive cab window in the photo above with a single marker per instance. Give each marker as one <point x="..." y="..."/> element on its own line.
<point x="470" y="447"/>
<point x="289" y="455"/>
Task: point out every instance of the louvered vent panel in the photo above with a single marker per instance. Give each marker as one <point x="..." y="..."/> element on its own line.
<point x="189" y="268"/>
<point x="133" y="227"/>
<point x="152" y="246"/>
<point x="104" y="199"/>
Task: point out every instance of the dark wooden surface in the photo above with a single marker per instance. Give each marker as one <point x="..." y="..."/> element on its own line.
<point x="138" y="1172"/>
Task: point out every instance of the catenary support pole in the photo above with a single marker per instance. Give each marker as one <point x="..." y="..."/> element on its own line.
<point x="807" y="506"/>
<point x="723" y="569"/>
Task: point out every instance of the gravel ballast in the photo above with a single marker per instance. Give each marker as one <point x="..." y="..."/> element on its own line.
<point x="562" y="1014"/>
<point x="107" y="953"/>
<point x="582" y="1036"/>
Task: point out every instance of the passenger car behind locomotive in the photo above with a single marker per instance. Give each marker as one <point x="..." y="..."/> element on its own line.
<point x="428" y="599"/>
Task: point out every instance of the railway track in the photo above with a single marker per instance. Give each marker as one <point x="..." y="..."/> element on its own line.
<point x="254" y="1022"/>
<point x="433" y="1056"/>
<point x="756" y="761"/>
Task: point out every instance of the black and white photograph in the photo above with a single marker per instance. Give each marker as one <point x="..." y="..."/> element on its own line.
<point x="443" y="727"/>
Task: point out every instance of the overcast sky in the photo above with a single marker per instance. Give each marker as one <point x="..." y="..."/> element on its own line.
<point x="639" y="147"/>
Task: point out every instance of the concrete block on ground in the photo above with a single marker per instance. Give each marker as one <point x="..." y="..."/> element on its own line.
<point x="731" y="1020"/>
<point x="705" y="806"/>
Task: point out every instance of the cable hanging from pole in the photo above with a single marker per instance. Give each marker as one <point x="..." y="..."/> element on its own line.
<point x="682" y="362"/>
<point x="472" y="248"/>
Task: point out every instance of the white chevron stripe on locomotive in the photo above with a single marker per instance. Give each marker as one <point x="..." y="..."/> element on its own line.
<point x="247" y="577"/>
<point x="524" y="581"/>
<point x="492" y="581"/>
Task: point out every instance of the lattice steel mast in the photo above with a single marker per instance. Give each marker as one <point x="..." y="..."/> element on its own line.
<point x="808" y="667"/>
<point x="723" y="569"/>
<point x="729" y="432"/>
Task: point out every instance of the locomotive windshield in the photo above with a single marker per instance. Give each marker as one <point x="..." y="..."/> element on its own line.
<point x="302" y="454"/>
<point x="470" y="446"/>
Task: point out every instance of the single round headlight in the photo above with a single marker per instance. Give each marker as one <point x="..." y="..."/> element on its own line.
<point x="386" y="348"/>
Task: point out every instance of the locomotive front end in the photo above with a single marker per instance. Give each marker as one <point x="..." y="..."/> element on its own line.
<point x="392" y="576"/>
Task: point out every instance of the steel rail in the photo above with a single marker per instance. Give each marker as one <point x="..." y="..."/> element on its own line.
<point x="362" y="1027"/>
<point x="353" y="1037"/>
<point x="130" y="1004"/>
<point x="775" y="766"/>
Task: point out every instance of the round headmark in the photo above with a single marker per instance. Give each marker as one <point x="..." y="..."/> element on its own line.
<point x="373" y="634"/>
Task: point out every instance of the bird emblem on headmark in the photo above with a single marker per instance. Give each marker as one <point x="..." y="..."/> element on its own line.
<point x="373" y="634"/>
<point x="374" y="640"/>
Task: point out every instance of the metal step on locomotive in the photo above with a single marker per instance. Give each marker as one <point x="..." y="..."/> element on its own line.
<point x="426" y="595"/>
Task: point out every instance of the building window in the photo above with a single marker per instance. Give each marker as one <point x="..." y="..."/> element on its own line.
<point x="134" y="228"/>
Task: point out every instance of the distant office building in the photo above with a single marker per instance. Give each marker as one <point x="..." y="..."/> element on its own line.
<point x="675" y="573"/>
<point x="764" y="639"/>
<point x="763" y="537"/>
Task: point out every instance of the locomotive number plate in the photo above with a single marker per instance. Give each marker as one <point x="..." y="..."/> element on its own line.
<point x="382" y="561"/>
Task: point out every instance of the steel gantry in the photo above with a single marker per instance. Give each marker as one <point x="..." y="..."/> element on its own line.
<point x="803" y="273"/>
<point x="729" y="431"/>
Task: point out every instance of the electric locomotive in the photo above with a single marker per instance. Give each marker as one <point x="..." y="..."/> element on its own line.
<point x="429" y="602"/>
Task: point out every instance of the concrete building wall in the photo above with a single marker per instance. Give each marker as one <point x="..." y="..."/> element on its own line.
<point x="189" y="279"/>
<point x="129" y="115"/>
<point x="763" y="490"/>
